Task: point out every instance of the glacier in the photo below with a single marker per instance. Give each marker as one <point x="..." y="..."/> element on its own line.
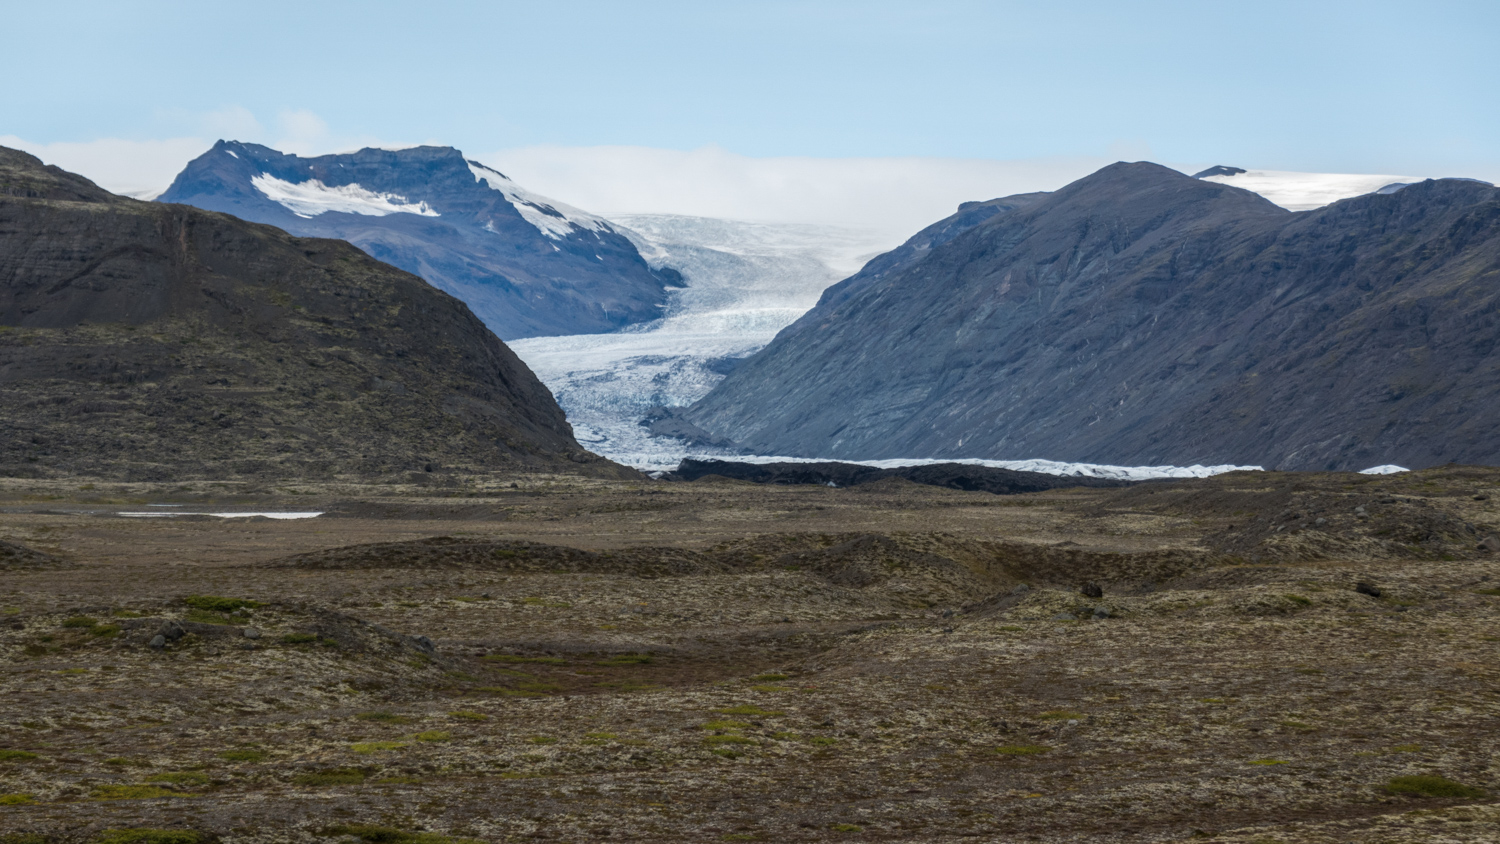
<point x="747" y="281"/>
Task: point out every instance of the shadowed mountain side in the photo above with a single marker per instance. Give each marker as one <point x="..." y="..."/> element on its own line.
<point x="1140" y="316"/>
<point x="149" y="341"/>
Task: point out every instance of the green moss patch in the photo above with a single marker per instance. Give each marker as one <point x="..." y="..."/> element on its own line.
<point x="149" y="836"/>
<point x="17" y="756"/>
<point x="627" y="659"/>
<point x="386" y="718"/>
<point x="1429" y="785"/>
<point x="132" y="792"/>
<point x="749" y="709"/>
<point x="391" y="835"/>
<point x="337" y="776"/>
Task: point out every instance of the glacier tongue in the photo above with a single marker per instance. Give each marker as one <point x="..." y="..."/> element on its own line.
<point x="746" y="281"/>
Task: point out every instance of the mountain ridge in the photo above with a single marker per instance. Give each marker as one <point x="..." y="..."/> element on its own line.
<point x="1133" y="317"/>
<point x="155" y="341"/>
<point x="527" y="265"/>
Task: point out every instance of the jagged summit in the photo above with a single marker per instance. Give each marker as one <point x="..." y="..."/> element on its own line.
<point x="528" y="265"/>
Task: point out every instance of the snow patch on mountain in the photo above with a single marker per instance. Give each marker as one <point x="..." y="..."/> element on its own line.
<point x="310" y="198"/>
<point x="554" y="219"/>
<point x="1305" y="191"/>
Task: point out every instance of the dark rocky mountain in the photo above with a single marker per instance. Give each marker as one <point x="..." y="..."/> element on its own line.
<point x="1141" y="316"/>
<point x="148" y="341"/>
<point x="527" y="265"/>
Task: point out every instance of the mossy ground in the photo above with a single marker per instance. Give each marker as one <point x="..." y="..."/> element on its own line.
<point x="799" y="692"/>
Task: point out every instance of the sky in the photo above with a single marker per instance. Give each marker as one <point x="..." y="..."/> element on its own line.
<point x="853" y="112"/>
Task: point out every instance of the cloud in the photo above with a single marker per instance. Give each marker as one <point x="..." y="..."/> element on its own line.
<point x="301" y="133"/>
<point x="144" y="168"/>
<point x="897" y="195"/>
<point x="134" y="168"/>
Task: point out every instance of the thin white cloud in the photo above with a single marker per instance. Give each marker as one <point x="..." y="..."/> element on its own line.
<point x="135" y="168"/>
<point x="301" y="132"/>
<point x="887" y="194"/>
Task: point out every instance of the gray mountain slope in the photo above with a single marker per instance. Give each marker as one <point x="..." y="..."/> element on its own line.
<point x="548" y="271"/>
<point x="1141" y="316"/>
<point x="143" y="341"/>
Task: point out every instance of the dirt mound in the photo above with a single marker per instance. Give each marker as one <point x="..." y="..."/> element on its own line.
<point x="1294" y="517"/>
<point x="16" y="556"/>
<point x="445" y="552"/>
<point x="1062" y="565"/>
<point x="918" y="574"/>
<point x="424" y="511"/>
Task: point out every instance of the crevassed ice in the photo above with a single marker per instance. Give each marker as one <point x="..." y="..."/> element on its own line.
<point x="554" y="219"/>
<point x="1306" y="191"/>
<point x="312" y="197"/>
<point x="746" y="281"/>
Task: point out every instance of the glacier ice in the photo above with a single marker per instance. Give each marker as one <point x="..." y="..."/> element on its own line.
<point x="746" y="281"/>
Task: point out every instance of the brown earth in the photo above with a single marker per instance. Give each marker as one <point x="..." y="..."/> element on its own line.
<point x="560" y="659"/>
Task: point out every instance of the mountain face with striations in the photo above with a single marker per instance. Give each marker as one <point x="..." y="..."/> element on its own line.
<point x="1140" y="316"/>
<point x="527" y="265"/>
<point x="146" y="341"/>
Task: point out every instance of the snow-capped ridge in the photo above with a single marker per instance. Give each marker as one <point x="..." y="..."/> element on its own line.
<point x="554" y="219"/>
<point x="310" y="198"/>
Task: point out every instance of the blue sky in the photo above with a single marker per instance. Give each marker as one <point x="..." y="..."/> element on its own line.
<point x="1361" y="87"/>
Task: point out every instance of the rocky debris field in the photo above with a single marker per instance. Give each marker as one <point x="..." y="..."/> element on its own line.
<point x="1256" y="657"/>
